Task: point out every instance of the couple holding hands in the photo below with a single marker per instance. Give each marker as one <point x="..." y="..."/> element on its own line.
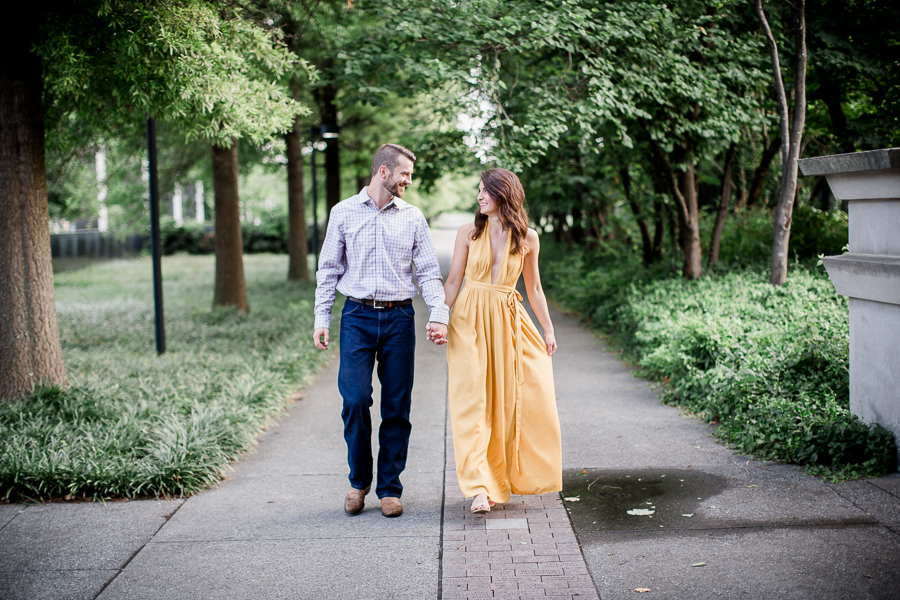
<point x="506" y="435"/>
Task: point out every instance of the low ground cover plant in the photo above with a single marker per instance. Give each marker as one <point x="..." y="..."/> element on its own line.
<point x="769" y="364"/>
<point x="132" y="424"/>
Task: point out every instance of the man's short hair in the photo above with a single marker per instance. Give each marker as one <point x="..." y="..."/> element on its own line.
<point x="387" y="155"/>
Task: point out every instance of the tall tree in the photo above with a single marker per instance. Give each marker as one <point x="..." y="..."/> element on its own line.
<point x="30" y="351"/>
<point x="298" y="270"/>
<point x="230" y="287"/>
<point x="791" y="133"/>
<point x="538" y="72"/>
<point x="724" y="201"/>
<point x="194" y="62"/>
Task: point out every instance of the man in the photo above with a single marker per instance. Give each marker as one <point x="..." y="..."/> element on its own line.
<point x="373" y="240"/>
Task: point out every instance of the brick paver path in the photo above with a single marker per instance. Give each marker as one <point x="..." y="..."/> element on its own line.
<point x="522" y="549"/>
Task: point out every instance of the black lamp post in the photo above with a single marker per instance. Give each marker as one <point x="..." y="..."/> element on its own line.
<point x="325" y="132"/>
<point x="156" y="247"/>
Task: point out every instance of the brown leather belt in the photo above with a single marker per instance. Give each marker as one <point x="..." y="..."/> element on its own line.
<point x="379" y="304"/>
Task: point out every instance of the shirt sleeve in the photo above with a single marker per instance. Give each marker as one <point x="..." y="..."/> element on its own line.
<point x="428" y="272"/>
<point x="332" y="264"/>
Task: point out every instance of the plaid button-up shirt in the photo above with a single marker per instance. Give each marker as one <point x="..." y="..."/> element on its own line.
<point x="369" y="254"/>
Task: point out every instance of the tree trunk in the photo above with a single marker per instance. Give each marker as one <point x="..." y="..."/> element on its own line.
<point x="690" y="229"/>
<point x="230" y="289"/>
<point x="823" y="193"/>
<point x="790" y="141"/>
<point x="30" y="352"/>
<point x="577" y="225"/>
<point x="646" y="242"/>
<point x="659" y="228"/>
<point x="723" y="206"/>
<point x="325" y="98"/>
<point x="742" y="186"/>
<point x="762" y="171"/>
<point x="332" y="174"/>
<point x="558" y="220"/>
<point x="830" y="93"/>
<point x="683" y="189"/>
<point x="297" y="245"/>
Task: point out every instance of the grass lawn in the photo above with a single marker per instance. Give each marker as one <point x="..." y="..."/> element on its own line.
<point x="133" y="424"/>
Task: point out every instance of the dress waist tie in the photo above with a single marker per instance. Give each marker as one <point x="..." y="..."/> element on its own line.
<point x="513" y="299"/>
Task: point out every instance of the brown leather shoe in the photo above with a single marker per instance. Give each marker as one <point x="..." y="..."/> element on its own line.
<point x="355" y="500"/>
<point x="391" y="507"/>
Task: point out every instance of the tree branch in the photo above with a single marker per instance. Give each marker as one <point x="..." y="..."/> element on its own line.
<point x="780" y="96"/>
<point x="671" y="178"/>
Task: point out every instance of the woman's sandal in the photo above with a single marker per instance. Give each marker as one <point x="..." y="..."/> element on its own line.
<point x="481" y="504"/>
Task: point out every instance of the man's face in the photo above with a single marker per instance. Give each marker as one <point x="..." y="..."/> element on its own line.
<point x="395" y="182"/>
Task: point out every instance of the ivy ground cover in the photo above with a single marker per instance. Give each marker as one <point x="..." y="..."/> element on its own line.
<point x="769" y="364"/>
<point x="133" y="424"/>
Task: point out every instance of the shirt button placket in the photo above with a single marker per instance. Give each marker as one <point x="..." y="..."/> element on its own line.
<point x="378" y="244"/>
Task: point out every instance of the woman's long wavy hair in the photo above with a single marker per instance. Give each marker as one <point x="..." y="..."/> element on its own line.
<point x="506" y="190"/>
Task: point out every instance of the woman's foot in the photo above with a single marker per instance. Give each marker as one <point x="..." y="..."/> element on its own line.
<point x="481" y="504"/>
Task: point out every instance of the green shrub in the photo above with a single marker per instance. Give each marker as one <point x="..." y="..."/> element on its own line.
<point x="191" y="237"/>
<point x="270" y="236"/>
<point x="770" y="364"/>
<point x="747" y="237"/>
<point x="135" y="424"/>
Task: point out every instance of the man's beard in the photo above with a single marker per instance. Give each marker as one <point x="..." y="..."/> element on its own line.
<point x="393" y="188"/>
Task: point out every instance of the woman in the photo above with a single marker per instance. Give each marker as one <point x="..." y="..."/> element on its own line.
<point x="502" y="404"/>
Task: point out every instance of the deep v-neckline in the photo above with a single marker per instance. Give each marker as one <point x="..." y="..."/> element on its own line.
<point x="502" y="258"/>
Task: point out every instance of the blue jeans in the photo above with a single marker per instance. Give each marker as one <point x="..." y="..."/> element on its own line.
<point x="388" y="335"/>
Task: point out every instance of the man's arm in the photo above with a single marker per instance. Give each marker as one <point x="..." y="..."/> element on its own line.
<point x="332" y="264"/>
<point x="428" y="276"/>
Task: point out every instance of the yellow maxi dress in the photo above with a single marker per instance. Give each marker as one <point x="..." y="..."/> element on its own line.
<point x="506" y="436"/>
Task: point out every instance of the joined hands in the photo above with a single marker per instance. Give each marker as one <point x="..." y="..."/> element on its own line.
<point x="437" y="333"/>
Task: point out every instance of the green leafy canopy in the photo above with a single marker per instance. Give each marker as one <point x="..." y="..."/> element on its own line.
<point x="209" y="66"/>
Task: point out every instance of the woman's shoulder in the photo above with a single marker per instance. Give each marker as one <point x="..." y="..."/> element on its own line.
<point x="530" y="242"/>
<point x="466" y="231"/>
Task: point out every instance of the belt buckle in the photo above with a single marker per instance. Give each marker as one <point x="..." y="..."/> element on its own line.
<point x="380" y="304"/>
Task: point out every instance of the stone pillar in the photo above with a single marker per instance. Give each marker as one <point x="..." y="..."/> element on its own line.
<point x="178" y="205"/>
<point x="198" y="201"/>
<point x="870" y="276"/>
<point x="102" y="210"/>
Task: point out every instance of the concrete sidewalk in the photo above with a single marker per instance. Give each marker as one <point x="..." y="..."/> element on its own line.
<point x="276" y="529"/>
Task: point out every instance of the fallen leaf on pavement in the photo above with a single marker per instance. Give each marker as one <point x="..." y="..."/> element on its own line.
<point x="641" y="590"/>
<point x="572" y="499"/>
<point x="688" y="515"/>
<point x="641" y="511"/>
<point x="699" y="564"/>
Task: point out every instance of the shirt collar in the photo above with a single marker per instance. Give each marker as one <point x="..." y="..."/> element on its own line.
<point x="400" y="203"/>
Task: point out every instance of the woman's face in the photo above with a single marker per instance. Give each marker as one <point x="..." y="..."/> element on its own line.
<point x="485" y="202"/>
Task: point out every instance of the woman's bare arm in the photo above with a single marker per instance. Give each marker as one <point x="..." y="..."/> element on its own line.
<point x="535" y="291"/>
<point x="458" y="267"/>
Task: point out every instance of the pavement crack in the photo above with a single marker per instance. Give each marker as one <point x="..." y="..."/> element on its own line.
<point x="885" y="490"/>
<point x="121" y="570"/>
<point x="440" y="585"/>
<point x="16" y="516"/>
